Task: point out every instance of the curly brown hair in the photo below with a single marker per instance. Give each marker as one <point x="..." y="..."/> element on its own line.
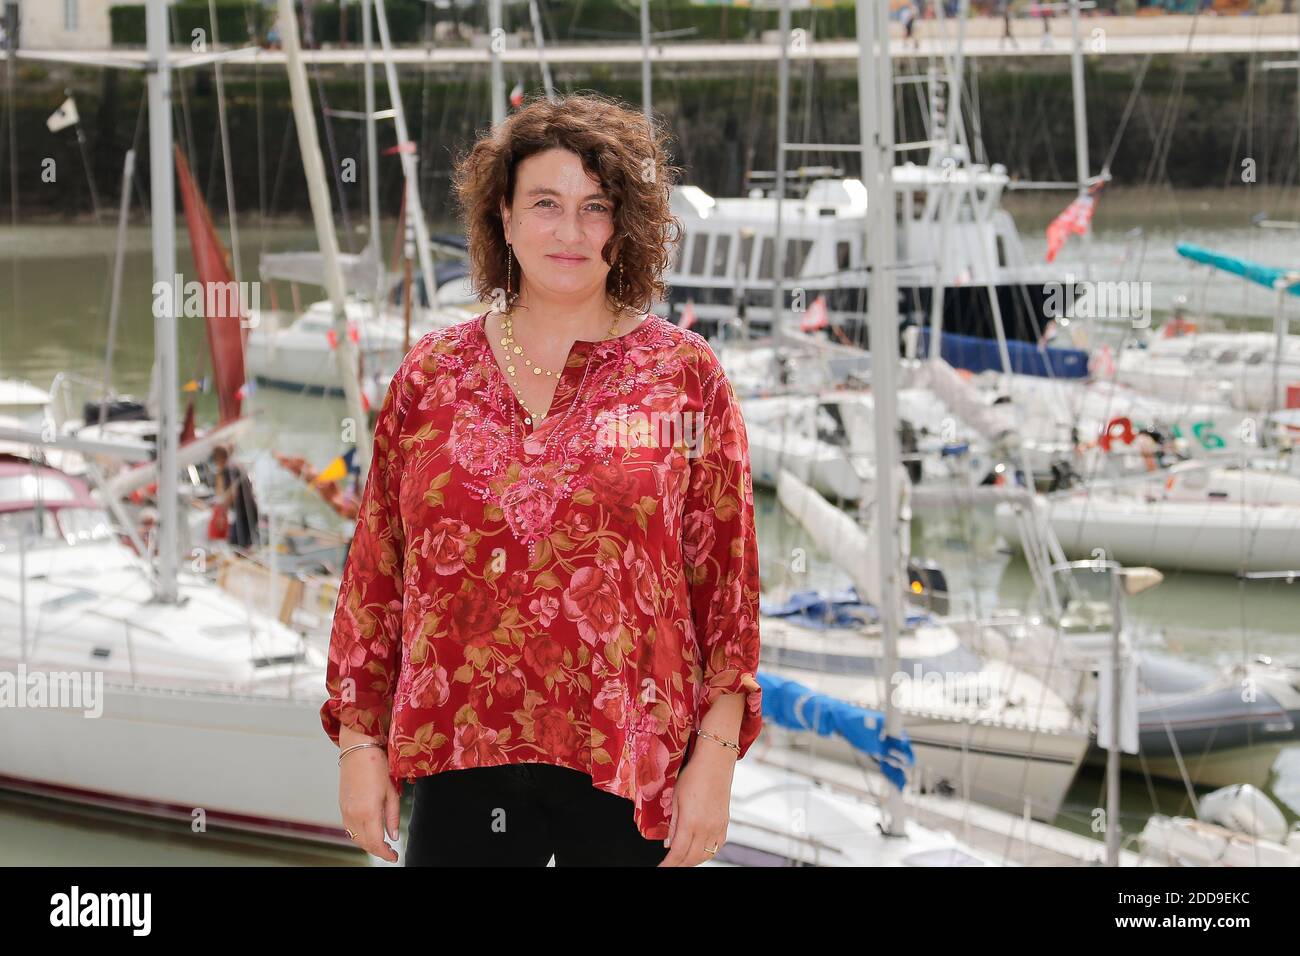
<point x="627" y="156"/>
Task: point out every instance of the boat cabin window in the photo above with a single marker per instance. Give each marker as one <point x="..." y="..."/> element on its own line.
<point x="83" y="524"/>
<point x="765" y="258"/>
<point x="1255" y="358"/>
<point x="677" y="252"/>
<point x="699" y="254"/>
<point x="745" y="253"/>
<point x="1228" y="355"/>
<point x="721" y="253"/>
<point x="843" y="254"/>
<point x="35" y="486"/>
<point x="48" y="525"/>
<point x="1198" y="353"/>
<point x="796" y="254"/>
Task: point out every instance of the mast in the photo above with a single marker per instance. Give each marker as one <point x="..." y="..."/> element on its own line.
<point x="645" y="62"/>
<point x="1080" y="119"/>
<point x="414" y="210"/>
<point x="372" y="155"/>
<point x="782" y="94"/>
<point x="498" y="86"/>
<point x="539" y="37"/>
<point x="163" y="228"/>
<point x="322" y="215"/>
<point x="875" y="111"/>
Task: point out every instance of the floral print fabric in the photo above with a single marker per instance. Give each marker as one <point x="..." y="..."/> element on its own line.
<point x="576" y="591"/>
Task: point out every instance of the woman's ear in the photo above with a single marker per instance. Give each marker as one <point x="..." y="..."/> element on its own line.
<point x="504" y="211"/>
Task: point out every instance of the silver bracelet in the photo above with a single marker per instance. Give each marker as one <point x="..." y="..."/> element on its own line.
<point x="371" y="743"/>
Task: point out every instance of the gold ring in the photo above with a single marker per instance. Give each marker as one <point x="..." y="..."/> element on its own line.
<point x="350" y="834"/>
<point x="710" y="849"/>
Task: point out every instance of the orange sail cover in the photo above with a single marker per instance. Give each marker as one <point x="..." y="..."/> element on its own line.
<point x="223" y="301"/>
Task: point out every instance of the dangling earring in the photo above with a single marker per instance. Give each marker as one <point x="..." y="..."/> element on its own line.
<point x="509" y="256"/>
<point x="620" y="279"/>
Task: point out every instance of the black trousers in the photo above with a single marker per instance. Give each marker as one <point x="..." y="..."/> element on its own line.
<point x="522" y="815"/>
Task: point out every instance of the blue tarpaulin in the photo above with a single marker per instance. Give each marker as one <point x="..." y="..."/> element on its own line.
<point x="1027" y="358"/>
<point x="796" y="707"/>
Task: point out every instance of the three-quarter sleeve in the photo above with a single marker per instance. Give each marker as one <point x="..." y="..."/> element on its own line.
<point x="365" y="650"/>
<point x="720" y="551"/>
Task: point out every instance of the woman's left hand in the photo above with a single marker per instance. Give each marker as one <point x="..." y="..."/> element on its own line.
<point x="701" y="805"/>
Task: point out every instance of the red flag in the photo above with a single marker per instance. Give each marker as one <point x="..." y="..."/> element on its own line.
<point x="407" y="147"/>
<point x="517" y="95"/>
<point x="225" y="330"/>
<point x="816" y="317"/>
<point x="688" y="315"/>
<point x="1074" y="219"/>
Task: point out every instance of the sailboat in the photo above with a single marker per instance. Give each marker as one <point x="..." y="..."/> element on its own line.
<point x="200" y="709"/>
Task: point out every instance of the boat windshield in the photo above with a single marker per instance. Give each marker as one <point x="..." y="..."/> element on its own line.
<point x="45" y="526"/>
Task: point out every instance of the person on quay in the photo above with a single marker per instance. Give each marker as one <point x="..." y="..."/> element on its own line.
<point x="548" y="621"/>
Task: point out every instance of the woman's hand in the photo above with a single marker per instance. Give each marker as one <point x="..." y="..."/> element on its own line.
<point x="701" y="805"/>
<point x="368" y="800"/>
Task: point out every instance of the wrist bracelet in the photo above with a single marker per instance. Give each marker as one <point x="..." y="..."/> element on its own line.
<point x="730" y="745"/>
<point x="371" y="743"/>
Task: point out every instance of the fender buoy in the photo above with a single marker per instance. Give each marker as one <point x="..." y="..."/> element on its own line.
<point x="1108" y="435"/>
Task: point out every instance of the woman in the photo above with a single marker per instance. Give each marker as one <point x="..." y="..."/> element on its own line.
<point x="548" y="620"/>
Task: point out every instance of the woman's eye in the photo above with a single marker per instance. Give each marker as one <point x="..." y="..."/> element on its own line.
<point x="598" y="207"/>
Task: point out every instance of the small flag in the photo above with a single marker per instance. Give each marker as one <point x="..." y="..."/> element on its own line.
<point x="196" y="385"/>
<point x="64" y="116"/>
<point x="1103" y="363"/>
<point x="517" y="95"/>
<point x="1074" y="219"/>
<point x="332" y="338"/>
<point x="407" y="147"/>
<point x="816" y="317"/>
<point x="334" y="471"/>
<point x="353" y="334"/>
<point x="688" y="315"/>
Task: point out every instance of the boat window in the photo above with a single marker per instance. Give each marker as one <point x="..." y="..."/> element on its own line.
<point x="796" y="254"/>
<point x="699" y="254"/>
<point x="677" y="251"/>
<point x="1228" y="355"/>
<point x="721" y="253"/>
<point x="83" y="524"/>
<point x="35" y="486"/>
<point x="1255" y="358"/>
<point x="1198" y="353"/>
<point x="843" y="254"/>
<point x="765" y="258"/>
<point x="25" y="523"/>
<point x="745" y="253"/>
<point x="1002" y="252"/>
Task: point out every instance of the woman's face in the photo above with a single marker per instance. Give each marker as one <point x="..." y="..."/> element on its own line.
<point x="559" y="222"/>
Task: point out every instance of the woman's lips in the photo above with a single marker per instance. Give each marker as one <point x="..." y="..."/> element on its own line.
<point x="567" y="260"/>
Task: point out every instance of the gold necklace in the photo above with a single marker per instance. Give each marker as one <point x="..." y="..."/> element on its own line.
<point x="511" y="346"/>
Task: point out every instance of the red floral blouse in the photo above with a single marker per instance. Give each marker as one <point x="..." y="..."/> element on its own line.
<point x="577" y="590"/>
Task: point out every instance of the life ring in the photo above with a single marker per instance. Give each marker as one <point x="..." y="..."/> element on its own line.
<point x="1126" y="434"/>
